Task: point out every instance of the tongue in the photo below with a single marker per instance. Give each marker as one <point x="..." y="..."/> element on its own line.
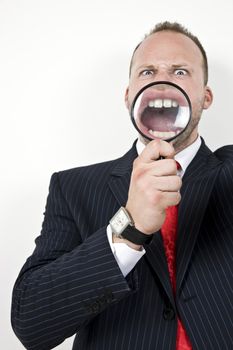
<point x="159" y="119"/>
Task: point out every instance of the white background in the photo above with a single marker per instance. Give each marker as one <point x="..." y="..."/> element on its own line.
<point x="63" y="73"/>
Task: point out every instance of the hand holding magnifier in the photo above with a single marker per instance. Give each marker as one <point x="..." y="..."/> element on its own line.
<point x="161" y="110"/>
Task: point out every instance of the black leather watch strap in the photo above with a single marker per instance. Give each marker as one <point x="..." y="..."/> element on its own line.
<point x="135" y="236"/>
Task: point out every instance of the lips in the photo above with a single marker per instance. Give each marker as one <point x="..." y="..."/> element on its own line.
<point x="161" y="113"/>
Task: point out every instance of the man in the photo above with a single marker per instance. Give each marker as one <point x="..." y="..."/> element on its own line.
<point x="131" y="290"/>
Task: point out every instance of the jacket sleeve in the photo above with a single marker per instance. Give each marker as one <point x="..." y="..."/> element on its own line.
<point x="66" y="282"/>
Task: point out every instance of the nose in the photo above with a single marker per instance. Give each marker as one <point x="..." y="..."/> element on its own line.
<point x="162" y="75"/>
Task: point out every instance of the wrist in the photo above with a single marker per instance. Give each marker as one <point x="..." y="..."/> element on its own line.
<point x="117" y="239"/>
<point x="123" y="227"/>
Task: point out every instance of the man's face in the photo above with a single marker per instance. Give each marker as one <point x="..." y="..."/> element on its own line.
<point x="173" y="57"/>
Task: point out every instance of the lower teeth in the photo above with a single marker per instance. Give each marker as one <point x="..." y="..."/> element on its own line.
<point x="162" y="134"/>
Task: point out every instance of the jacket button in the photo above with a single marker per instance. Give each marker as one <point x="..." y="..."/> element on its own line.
<point x="95" y="307"/>
<point x="168" y="314"/>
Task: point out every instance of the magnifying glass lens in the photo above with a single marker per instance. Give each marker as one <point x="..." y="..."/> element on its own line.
<point x="161" y="110"/>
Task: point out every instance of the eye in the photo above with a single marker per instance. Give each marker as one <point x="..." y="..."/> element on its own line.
<point x="146" y="72"/>
<point x="180" y="72"/>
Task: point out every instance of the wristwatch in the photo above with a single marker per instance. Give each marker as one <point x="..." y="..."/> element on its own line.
<point x="122" y="226"/>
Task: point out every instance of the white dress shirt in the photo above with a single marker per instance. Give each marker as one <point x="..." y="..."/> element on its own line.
<point x="126" y="256"/>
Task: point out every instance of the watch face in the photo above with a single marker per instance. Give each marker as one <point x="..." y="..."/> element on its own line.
<point x="119" y="222"/>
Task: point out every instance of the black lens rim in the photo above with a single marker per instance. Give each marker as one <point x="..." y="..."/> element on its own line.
<point x="146" y="87"/>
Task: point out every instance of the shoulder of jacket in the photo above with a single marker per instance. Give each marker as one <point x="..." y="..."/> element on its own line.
<point x="225" y="153"/>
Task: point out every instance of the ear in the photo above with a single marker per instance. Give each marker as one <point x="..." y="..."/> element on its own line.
<point x="208" y="97"/>
<point x="127" y="98"/>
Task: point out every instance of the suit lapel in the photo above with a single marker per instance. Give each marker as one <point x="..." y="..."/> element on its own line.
<point x="120" y="176"/>
<point x="155" y="256"/>
<point x="197" y="186"/>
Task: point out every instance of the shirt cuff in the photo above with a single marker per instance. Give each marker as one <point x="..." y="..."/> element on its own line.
<point x="125" y="256"/>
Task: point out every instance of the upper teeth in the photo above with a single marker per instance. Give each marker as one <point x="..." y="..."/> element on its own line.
<point x="159" y="103"/>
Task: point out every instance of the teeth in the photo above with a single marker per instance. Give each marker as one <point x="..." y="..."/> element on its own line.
<point x="151" y="104"/>
<point x="182" y="117"/>
<point x="163" y="134"/>
<point x="167" y="103"/>
<point x="159" y="103"/>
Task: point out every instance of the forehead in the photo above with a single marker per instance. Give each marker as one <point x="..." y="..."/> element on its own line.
<point x="167" y="46"/>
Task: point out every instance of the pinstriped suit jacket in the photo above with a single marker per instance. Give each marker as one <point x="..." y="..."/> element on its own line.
<point x="72" y="283"/>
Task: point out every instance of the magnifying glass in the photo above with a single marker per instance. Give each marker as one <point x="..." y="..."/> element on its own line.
<point x="161" y="110"/>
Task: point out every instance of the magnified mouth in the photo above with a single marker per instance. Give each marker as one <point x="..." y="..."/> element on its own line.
<point x="162" y="115"/>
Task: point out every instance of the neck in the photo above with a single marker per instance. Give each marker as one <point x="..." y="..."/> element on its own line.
<point x="183" y="142"/>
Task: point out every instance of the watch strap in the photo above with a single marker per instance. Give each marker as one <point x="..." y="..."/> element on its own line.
<point x="135" y="236"/>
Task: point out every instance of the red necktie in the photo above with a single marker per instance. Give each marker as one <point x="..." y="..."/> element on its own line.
<point x="169" y="234"/>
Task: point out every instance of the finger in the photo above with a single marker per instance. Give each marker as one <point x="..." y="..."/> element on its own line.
<point x="169" y="199"/>
<point x="167" y="183"/>
<point x="163" y="167"/>
<point x="155" y="150"/>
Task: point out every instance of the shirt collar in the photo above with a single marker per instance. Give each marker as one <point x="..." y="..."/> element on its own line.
<point x="184" y="157"/>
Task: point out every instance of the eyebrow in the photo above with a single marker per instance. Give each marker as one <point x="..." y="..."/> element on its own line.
<point x="151" y="66"/>
<point x="180" y="65"/>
